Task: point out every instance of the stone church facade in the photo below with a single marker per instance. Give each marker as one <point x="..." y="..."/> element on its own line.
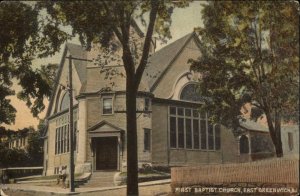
<point x="171" y="131"/>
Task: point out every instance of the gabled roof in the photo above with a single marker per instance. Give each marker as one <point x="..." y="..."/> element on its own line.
<point x="80" y="67"/>
<point x="161" y="60"/>
<point x="158" y="64"/>
<point x="104" y="126"/>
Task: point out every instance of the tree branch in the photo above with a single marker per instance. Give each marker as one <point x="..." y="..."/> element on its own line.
<point x="147" y="42"/>
<point x="125" y="19"/>
<point x="114" y="27"/>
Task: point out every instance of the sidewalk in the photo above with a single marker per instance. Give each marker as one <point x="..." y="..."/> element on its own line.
<point x="159" y="187"/>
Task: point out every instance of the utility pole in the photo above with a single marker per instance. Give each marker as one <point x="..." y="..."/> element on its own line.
<point x="71" y="136"/>
<point x="72" y="186"/>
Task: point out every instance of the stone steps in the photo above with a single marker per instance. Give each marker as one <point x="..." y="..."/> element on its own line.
<point x="101" y="179"/>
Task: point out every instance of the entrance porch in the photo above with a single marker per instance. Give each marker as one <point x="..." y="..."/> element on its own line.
<point x="106" y="146"/>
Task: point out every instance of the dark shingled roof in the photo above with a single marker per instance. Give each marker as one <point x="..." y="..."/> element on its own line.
<point x="160" y="60"/>
<point x="80" y="66"/>
<point x="158" y="64"/>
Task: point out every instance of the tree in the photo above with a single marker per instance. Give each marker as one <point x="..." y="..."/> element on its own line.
<point x="24" y="37"/>
<point x="102" y="23"/>
<point x="35" y="146"/>
<point x="14" y="157"/>
<point x="250" y="54"/>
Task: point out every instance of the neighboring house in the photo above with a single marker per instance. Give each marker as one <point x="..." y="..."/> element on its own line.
<point x="3" y="138"/>
<point x="19" y="140"/>
<point x="254" y="142"/>
<point x="290" y="140"/>
<point x="171" y="131"/>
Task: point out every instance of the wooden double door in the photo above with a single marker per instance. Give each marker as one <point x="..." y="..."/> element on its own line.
<point x="106" y="150"/>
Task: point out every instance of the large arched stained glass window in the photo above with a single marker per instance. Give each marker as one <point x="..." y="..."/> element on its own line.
<point x="190" y="93"/>
<point x="65" y="102"/>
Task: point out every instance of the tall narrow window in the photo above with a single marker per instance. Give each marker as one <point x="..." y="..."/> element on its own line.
<point x="64" y="140"/>
<point x="211" y="140"/>
<point x="173" y="137"/>
<point x="147" y="139"/>
<point x="188" y="133"/>
<point x="290" y="141"/>
<point x="56" y="140"/>
<point x="107" y="106"/>
<point x="218" y="137"/>
<point x="59" y="141"/>
<point x="188" y="129"/>
<point x="180" y="132"/>
<point x="196" y="133"/>
<point x="203" y="134"/>
<point x="68" y="138"/>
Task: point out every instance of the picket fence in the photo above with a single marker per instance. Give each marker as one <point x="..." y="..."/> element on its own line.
<point x="271" y="171"/>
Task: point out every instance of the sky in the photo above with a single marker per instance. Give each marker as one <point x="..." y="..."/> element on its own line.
<point x="184" y="20"/>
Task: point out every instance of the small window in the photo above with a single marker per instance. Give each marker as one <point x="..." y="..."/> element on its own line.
<point x="290" y="140"/>
<point x="107" y="106"/>
<point x="147" y="139"/>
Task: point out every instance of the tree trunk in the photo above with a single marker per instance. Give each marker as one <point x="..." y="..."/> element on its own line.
<point x="275" y="132"/>
<point x="132" y="157"/>
<point x="278" y="146"/>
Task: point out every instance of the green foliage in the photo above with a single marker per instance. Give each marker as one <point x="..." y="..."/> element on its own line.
<point x="31" y="156"/>
<point x="251" y="54"/>
<point x="107" y="24"/>
<point x="24" y="36"/>
<point x="35" y="147"/>
<point x="13" y="157"/>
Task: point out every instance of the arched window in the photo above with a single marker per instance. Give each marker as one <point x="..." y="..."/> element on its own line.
<point x="65" y="102"/>
<point x="190" y="93"/>
<point x="244" y="144"/>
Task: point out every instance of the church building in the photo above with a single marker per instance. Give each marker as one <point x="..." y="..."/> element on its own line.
<point x="171" y="131"/>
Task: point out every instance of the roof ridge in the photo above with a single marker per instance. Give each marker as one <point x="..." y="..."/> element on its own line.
<point x="177" y="46"/>
<point x="174" y="42"/>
